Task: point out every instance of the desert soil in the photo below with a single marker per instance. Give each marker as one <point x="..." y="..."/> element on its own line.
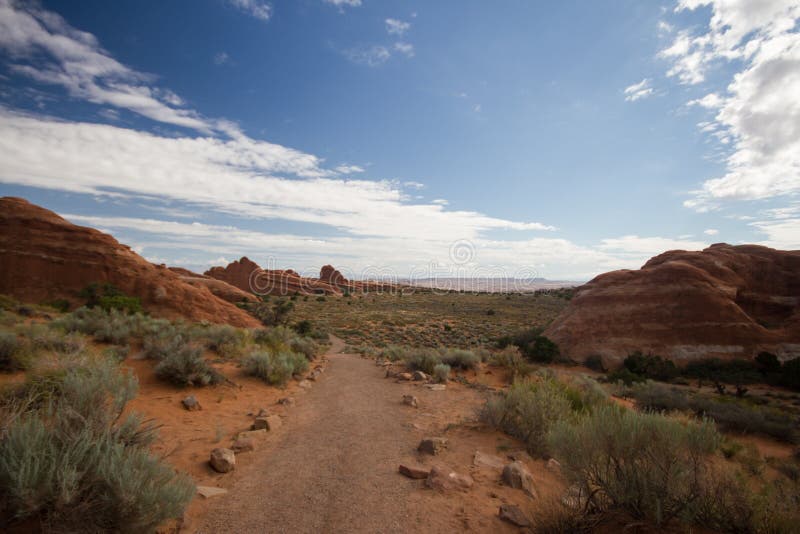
<point x="332" y="466"/>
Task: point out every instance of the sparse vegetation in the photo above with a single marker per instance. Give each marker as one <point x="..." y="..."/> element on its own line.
<point x="274" y="367"/>
<point x="74" y="463"/>
<point x="441" y="372"/>
<point x="186" y="366"/>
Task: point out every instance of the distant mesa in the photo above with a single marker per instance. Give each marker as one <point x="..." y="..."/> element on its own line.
<point x="44" y="257"/>
<point x="248" y="276"/>
<point x="725" y="301"/>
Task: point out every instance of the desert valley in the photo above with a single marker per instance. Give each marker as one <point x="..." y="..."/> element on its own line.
<point x="399" y="266"/>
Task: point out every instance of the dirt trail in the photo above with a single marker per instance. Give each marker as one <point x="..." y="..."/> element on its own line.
<point x="333" y="465"/>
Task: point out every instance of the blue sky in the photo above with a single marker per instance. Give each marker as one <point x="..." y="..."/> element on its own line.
<point x="561" y="139"/>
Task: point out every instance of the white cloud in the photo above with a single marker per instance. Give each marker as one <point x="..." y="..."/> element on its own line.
<point x="397" y="27"/>
<point x="255" y="8"/>
<point x="342" y="3"/>
<point x="235" y="175"/>
<point x="372" y="56"/>
<point x="220" y="58"/>
<point x="477" y="108"/>
<point x="638" y="91"/>
<point x="757" y="116"/>
<point x="711" y="231"/>
<point x="644" y="248"/>
<point x="404" y="48"/>
<point x="349" y="169"/>
<point x="440" y="201"/>
<point x="781" y="234"/>
<point x="75" y="60"/>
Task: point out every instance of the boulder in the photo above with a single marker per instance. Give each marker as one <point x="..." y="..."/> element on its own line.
<point x="443" y="479"/>
<point x="191" y="403"/>
<point x="517" y="476"/>
<point x="405" y="376"/>
<point x="514" y="515"/>
<point x="420" y="376"/>
<point x="412" y="471"/>
<point x="223" y="460"/>
<point x="432" y="445"/>
<point x="410" y="400"/>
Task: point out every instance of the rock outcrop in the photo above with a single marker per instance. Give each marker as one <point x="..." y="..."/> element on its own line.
<point x="44" y="257"/>
<point x="248" y="276"/>
<point x="221" y="289"/>
<point x="725" y="301"/>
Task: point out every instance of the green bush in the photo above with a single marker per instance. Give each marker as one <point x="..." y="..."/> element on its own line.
<point x="528" y="410"/>
<point x="511" y="358"/>
<point x="225" y="340"/>
<point x="654" y="396"/>
<point x="109" y="297"/>
<point x="422" y="359"/>
<point x="305" y="346"/>
<point x="650" y="366"/>
<point x="460" y="359"/>
<point x="441" y="372"/>
<point x="624" y="375"/>
<point x="274" y="368"/>
<point x="75" y="464"/>
<point x="187" y="367"/>
<point x="647" y="464"/>
<point x="394" y="353"/>
<point x="107" y="326"/>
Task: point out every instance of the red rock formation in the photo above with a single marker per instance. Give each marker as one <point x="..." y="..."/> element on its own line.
<point x="726" y="301"/>
<point x="221" y="289"/>
<point x="43" y="257"/>
<point x="332" y="276"/>
<point x="248" y="276"/>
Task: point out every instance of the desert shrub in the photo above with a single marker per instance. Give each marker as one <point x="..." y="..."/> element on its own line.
<point x="768" y="362"/>
<point x="225" y="340"/>
<point x="274" y="367"/>
<point x="595" y="363"/>
<point x="275" y="339"/>
<point x="75" y="464"/>
<point x="483" y="354"/>
<point x="624" y="375"/>
<point x="163" y="339"/>
<point x="117" y="353"/>
<point x="650" y="366"/>
<point x="61" y="305"/>
<point x="729" y="371"/>
<point x="8" y="302"/>
<point x="305" y="346"/>
<point x="109" y="297"/>
<point x="528" y="410"/>
<point x="511" y="358"/>
<point x="441" y="372"/>
<point x="738" y="416"/>
<point x="422" y="359"/>
<point x="106" y="326"/>
<point x="187" y="367"/>
<point x="554" y="516"/>
<point x="460" y="359"/>
<point x="303" y="327"/>
<point x="42" y="338"/>
<point x="394" y="353"/>
<point x="584" y="393"/>
<point x="645" y="463"/>
<point x="533" y="345"/>
<point x="654" y="396"/>
<point x="11" y="352"/>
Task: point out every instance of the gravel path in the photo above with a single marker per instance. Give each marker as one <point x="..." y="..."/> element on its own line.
<point x="332" y="467"/>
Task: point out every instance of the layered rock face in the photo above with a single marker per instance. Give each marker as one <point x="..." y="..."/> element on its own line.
<point x="725" y="301"/>
<point x="221" y="289"/>
<point x="249" y="277"/>
<point x="43" y="257"/>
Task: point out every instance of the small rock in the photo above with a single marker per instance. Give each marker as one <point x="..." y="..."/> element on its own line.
<point x="305" y="384"/>
<point x="443" y="479"/>
<point x="432" y="445"/>
<point x="488" y="460"/>
<point x="436" y="387"/>
<point x="191" y="403"/>
<point x="410" y="400"/>
<point x="419" y="375"/>
<point x="319" y="369"/>
<point x="243" y="444"/>
<point x="313" y="376"/>
<point x="405" y="376"/>
<point x="517" y="476"/>
<point x="273" y="422"/>
<point x="414" y="472"/>
<point x="210" y="491"/>
<point x="390" y="373"/>
<point x="286" y="401"/>
<point x="553" y="465"/>
<point x="514" y="515"/>
<point x="260" y="423"/>
<point x="223" y="460"/>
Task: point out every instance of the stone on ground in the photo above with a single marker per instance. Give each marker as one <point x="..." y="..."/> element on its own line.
<point x="432" y="445"/>
<point x="210" y="491"/>
<point x="443" y="479"/>
<point x="412" y="471"/>
<point x="517" y="476"/>
<point x="514" y="515"/>
<point x="487" y="460"/>
<point x="410" y="400"/>
<point x="191" y="403"/>
<point x="243" y="444"/>
<point x="223" y="460"/>
<point x="419" y="375"/>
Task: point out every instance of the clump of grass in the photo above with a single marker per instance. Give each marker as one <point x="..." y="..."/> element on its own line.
<point x="225" y="340"/>
<point x="75" y="464"/>
<point x="274" y="368"/>
<point x="187" y="367"/>
<point x="460" y="359"/>
<point x="648" y="464"/>
<point x="511" y="358"/>
<point x="107" y="326"/>
<point x="441" y="372"/>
